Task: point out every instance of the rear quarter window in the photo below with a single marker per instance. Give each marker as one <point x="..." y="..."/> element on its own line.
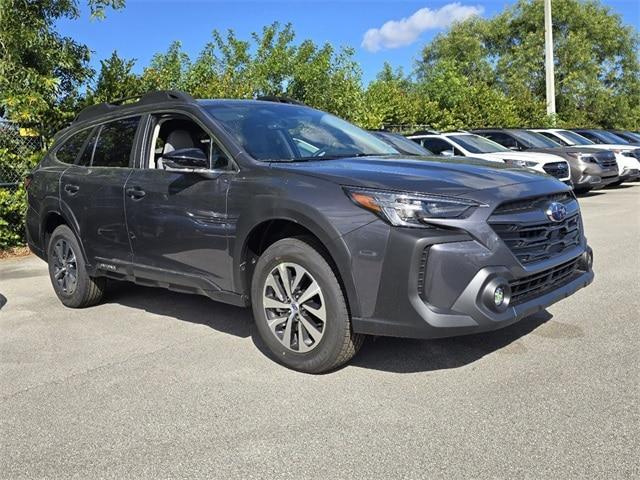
<point x="71" y="148"/>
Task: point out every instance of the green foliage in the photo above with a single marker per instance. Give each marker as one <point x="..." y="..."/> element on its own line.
<point x="597" y="67"/>
<point x="115" y="81"/>
<point x="40" y="70"/>
<point x="13" y="202"/>
<point x="13" y="206"/>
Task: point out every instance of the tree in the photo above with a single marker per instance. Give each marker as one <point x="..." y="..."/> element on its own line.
<point x="116" y="80"/>
<point x="597" y="67"/>
<point x="40" y="70"/>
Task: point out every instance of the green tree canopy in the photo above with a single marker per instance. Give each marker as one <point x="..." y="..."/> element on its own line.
<point x="41" y="70"/>
<point x="596" y="61"/>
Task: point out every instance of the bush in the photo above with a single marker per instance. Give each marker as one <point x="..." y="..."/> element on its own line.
<point x="13" y="201"/>
<point x="13" y="206"/>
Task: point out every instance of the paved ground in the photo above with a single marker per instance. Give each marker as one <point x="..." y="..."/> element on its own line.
<point x="154" y="384"/>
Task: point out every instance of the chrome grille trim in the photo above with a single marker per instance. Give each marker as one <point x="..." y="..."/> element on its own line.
<point x="557" y="169"/>
<point x="533" y="203"/>
<point x="540" y="240"/>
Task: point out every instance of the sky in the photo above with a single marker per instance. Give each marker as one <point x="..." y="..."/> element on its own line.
<point x="378" y="30"/>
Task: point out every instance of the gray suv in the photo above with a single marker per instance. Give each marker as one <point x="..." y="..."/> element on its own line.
<point x="325" y="231"/>
<point x="590" y="169"/>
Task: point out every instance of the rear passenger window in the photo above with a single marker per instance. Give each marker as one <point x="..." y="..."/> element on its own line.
<point x="115" y="143"/>
<point x="70" y="149"/>
<point x="437" y="145"/>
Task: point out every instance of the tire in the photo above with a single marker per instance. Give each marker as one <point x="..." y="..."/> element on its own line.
<point x="65" y="259"/>
<point x="326" y="344"/>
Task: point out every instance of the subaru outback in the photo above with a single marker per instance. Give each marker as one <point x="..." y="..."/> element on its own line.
<point x="326" y="232"/>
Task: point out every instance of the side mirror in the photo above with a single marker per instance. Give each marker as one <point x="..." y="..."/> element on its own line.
<point x="447" y="153"/>
<point x="186" y="159"/>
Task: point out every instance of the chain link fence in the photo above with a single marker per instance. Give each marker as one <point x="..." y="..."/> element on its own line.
<point x="17" y="146"/>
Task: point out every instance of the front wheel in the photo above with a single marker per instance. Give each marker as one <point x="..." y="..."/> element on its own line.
<point x="299" y="308"/>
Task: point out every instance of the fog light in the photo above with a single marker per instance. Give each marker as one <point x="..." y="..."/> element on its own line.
<point x="498" y="296"/>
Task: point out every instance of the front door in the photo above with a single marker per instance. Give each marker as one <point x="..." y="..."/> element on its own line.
<point x="177" y="219"/>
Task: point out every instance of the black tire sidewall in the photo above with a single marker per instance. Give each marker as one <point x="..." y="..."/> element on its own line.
<point x="324" y="355"/>
<point x="74" y="299"/>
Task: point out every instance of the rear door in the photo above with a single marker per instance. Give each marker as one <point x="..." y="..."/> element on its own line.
<point x="92" y="192"/>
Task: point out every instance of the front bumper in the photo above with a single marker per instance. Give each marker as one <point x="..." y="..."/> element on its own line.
<point x="588" y="175"/>
<point x="629" y="174"/>
<point x="413" y="309"/>
<point x="437" y="283"/>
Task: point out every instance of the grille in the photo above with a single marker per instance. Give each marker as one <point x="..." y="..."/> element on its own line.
<point x="635" y="153"/>
<point x="557" y="169"/>
<point x="533" y="203"/>
<point x="606" y="159"/>
<point x="538" y="284"/>
<point x="536" y="241"/>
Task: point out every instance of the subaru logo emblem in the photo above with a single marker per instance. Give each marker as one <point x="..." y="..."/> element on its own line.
<point x="556" y="212"/>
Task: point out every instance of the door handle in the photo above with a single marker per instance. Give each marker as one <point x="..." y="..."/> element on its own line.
<point x="71" y="189"/>
<point x="136" y="193"/>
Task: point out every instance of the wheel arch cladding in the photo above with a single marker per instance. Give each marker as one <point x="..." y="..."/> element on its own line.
<point x="265" y="233"/>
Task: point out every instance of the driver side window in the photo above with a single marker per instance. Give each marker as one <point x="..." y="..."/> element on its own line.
<point x="172" y="132"/>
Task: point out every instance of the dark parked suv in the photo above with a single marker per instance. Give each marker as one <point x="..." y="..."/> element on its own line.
<point x="325" y="230"/>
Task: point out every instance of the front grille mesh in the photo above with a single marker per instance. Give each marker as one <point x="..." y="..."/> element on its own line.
<point x="557" y="169"/>
<point x="606" y="159"/>
<point x="536" y="241"/>
<point x="538" y="284"/>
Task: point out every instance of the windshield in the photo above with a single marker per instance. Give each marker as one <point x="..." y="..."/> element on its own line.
<point x="477" y="144"/>
<point x="609" y="137"/>
<point x="576" y="138"/>
<point x="534" y="140"/>
<point x="285" y="132"/>
<point x="402" y="144"/>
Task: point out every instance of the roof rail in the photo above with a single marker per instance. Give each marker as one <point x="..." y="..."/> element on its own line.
<point x="426" y="132"/>
<point x="279" y="99"/>
<point x="149" y="98"/>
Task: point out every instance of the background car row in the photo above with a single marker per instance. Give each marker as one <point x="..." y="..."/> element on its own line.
<point x="587" y="159"/>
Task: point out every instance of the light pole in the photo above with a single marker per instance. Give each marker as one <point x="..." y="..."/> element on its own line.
<point x="548" y="59"/>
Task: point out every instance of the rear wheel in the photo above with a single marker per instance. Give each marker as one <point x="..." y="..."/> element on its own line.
<point x="71" y="282"/>
<point x="299" y="308"/>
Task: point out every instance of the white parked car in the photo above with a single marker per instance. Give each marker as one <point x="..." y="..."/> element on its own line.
<point x="471" y="145"/>
<point x="627" y="156"/>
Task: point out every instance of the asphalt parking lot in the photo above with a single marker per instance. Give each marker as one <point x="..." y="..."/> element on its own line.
<point x="155" y="384"/>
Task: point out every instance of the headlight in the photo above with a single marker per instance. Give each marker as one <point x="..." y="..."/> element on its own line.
<point x="583" y="157"/>
<point x="521" y="163"/>
<point x="409" y="209"/>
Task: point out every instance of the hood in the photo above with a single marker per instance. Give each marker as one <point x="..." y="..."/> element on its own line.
<point x="539" y="157"/>
<point x="561" y="150"/>
<point x="612" y="146"/>
<point x="435" y="175"/>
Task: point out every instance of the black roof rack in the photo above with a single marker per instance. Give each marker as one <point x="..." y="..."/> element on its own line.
<point x="425" y="132"/>
<point x="279" y="99"/>
<point x="157" y="96"/>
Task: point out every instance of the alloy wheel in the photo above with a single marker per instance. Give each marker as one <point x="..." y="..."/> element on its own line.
<point x="65" y="268"/>
<point x="294" y="307"/>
